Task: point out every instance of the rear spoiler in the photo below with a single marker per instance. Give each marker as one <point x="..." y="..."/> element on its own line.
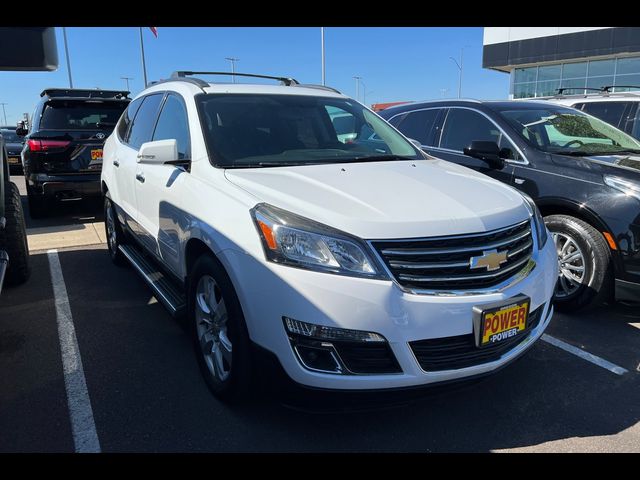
<point x="77" y="93"/>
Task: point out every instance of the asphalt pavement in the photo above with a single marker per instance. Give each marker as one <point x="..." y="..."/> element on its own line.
<point x="146" y="393"/>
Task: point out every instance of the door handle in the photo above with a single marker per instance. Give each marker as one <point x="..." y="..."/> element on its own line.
<point x="116" y="163"/>
<point x="140" y="177"/>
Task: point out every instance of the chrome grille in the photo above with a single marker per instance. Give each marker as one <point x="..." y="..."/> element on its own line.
<point x="444" y="263"/>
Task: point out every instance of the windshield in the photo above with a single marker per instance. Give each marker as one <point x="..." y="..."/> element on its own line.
<point x="253" y="130"/>
<point x="568" y="132"/>
<point x="10" y="136"/>
<point x="81" y="115"/>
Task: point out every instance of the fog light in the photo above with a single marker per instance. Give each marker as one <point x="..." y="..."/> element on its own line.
<point x="321" y="332"/>
<point x="321" y="359"/>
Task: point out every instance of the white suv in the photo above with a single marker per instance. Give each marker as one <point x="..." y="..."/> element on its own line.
<point x="356" y="261"/>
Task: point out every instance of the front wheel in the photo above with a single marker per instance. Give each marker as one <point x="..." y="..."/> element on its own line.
<point x="220" y="336"/>
<point x="585" y="269"/>
<point x="113" y="230"/>
<point x="13" y="238"/>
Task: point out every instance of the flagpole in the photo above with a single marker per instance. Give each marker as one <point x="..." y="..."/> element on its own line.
<point x="66" y="51"/>
<point x="144" y="66"/>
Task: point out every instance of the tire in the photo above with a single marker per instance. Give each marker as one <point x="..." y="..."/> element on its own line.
<point x="38" y="207"/>
<point x="114" y="234"/>
<point x="227" y="336"/>
<point x="584" y="247"/>
<point x="13" y="238"/>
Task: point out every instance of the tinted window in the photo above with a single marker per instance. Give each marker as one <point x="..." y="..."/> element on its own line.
<point x="464" y="126"/>
<point x="418" y="125"/>
<point x="610" y="112"/>
<point x="72" y="115"/>
<point x="144" y="121"/>
<point x="127" y="118"/>
<point x="10" y="136"/>
<point x="173" y="123"/>
<point x="395" y="121"/>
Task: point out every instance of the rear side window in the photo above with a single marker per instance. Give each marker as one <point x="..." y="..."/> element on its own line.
<point x="610" y="112"/>
<point x="73" y="115"/>
<point x="144" y="121"/>
<point x="127" y="118"/>
<point x="464" y="126"/>
<point x="418" y="125"/>
<point x="172" y="124"/>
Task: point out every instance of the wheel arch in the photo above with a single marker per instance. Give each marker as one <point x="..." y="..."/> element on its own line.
<point x="559" y="206"/>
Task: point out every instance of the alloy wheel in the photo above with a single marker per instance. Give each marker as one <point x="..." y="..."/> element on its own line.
<point x="571" y="265"/>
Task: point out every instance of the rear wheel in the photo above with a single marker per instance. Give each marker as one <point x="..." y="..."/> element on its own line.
<point x="584" y="262"/>
<point x="114" y="233"/>
<point x="13" y="238"/>
<point x="220" y="336"/>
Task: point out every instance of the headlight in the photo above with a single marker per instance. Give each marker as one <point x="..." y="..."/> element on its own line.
<point x="296" y="241"/>
<point x="628" y="187"/>
<point x="538" y="221"/>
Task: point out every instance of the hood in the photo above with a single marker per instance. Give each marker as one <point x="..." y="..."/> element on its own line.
<point x="397" y="199"/>
<point x="622" y="161"/>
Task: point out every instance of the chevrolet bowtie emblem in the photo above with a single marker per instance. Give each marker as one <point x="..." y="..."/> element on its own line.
<point x="491" y="260"/>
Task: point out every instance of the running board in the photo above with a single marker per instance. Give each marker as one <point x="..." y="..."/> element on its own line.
<point x="164" y="289"/>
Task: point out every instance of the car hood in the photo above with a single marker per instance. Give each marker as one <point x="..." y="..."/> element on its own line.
<point x="622" y="161"/>
<point x="397" y="199"/>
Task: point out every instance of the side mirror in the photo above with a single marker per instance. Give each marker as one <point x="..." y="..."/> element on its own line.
<point x="158" y="152"/>
<point x="416" y="143"/>
<point x="21" y="131"/>
<point x="486" y="151"/>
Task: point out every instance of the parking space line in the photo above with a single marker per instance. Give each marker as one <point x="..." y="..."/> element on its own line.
<point x="85" y="436"/>
<point x="589" y="357"/>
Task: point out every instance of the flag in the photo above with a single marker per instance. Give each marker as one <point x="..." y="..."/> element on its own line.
<point x="154" y="30"/>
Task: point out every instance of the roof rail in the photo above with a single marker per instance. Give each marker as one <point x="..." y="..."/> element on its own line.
<point x="608" y="88"/>
<point x="288" y="81"/>
<point x="319" y="87"/>
<point x="87" y="93"/>
<point x="564" y="89"/>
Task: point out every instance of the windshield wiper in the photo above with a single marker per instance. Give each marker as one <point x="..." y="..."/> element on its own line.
<point x="270" y="164"/>
<point x="374" y="158"/>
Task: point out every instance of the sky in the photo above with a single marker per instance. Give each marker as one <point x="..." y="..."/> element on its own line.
<point x="396" y="64"/>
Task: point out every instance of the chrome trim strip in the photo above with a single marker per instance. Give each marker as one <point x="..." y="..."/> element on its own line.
<point x="419" y="278"/>
<point x="513" y="253"/>
<point x="448" y="237"/>
<point x="440" y="251"/>
<point x="425" y="266"/>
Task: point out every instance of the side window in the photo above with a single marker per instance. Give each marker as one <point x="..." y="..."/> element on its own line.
<point x="173" y="123"/>
<point x="144" y="121"/>
<point x="419" y="124"/>
<point x="507" y="150"/>
<point x="463" y="126"/>
<point x="610" y="112"/>
<point x="127" y="117"/>
<point x="395" y="121"/>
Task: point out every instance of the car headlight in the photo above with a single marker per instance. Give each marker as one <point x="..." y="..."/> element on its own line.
<point x="627" y="187"/>
<point x="538" y="222"/>
<point x="296" y="241"/>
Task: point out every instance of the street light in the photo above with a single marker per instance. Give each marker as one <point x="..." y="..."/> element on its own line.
<point x="4" y="112"/>
<point x="126" y="79"/>
<point x="357" y="79"/>
<point x="460" y="68"/>
<point x="233" y="61"/>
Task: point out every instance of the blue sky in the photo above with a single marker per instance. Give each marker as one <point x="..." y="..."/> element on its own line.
<point x="395" y="63"/>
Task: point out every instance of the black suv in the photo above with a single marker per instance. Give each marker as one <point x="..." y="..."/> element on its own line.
<point x="583" y="173"/>
<point x="62" y="155"/>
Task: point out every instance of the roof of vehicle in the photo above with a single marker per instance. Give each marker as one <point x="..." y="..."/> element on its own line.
<point x="460" y="102"/>
<point x="83" y="93"/>
<point x="570" y="100"/>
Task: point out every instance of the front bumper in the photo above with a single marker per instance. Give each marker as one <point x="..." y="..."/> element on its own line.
<point x="267" y="292"/>
<point x="65" y="187"/>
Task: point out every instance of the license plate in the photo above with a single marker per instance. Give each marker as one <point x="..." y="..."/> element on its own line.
<point x="496" y="323"/>
<point x="96" y="154"/>
<point x="14" y="160"/>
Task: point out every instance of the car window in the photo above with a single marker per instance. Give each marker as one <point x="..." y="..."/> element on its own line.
<point x="344" y="123"/>
<point x="173" y="124"/>
<point x="395" y="121"/>
<point x="10" y="136"/>
<point x="610" y="112"/>
<point x="418" y="125"/>
<point x="464" y="126"/>
<point x="127" y="118"/>
<point x="144" y="121"/>
<point x="80" y="115"/>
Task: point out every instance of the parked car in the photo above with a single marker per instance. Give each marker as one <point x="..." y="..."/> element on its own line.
<point x="351" y="269"/>
<point x="14" y="145"/>
<point x="62" y="155"/>
<point x="583" y="174"/>
<point x="620" y="109"/>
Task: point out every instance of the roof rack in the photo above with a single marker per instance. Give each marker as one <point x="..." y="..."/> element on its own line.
<point x="319" y="87"/>
<point x="608" y="88"/>
<point x="84" y="93"/>
<point x="288" y="81"/>
<point x="564" y="89"/>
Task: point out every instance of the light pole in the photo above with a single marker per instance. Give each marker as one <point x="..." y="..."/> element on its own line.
<point x="4" y="112"/>
<point x="126" y="79"/>
<point x="357" y="79"/>
<point x="460" y="68"/>
<point x="322" y="41"/>
<point x="233" y="61"/>
<point x="66" y="52"/>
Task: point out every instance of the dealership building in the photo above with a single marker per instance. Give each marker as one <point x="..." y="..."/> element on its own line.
<point x="540" y="60"/>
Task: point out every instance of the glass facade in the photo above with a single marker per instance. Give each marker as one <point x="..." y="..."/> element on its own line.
<point x="545" y="80"/>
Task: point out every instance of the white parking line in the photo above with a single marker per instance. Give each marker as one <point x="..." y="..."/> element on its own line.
<point x="85" y="437"/>
<point x="589" y="357"/>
